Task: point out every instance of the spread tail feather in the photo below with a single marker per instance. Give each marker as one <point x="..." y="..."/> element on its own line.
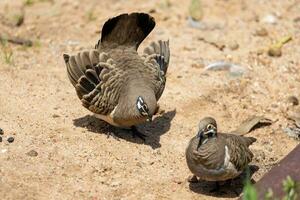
<point x="126" y="29"/>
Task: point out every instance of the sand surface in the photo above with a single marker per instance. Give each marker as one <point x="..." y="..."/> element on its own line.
<point x="76" y="159"/>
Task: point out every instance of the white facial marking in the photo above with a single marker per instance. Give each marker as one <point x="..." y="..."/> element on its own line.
<point x="141" y="99"/>
<point x="205" y="141"/>
<point x="142" y="107"/>
<point x="139" y="105"/>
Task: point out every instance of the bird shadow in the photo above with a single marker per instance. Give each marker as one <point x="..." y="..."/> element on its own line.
<point x="229" y="189"/>
<point x="159" y="126"/>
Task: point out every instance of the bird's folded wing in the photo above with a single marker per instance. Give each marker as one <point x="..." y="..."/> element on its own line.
<point x="96" y="80"/>
<point x="240" y="154"/>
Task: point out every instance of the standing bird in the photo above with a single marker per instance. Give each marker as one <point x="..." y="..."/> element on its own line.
<point x="213" y="156"/>
<point x="113" y="81"/>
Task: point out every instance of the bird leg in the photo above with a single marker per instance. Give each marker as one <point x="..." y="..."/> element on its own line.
<point x="113" y="135"/>
<point x="157" y="109"/>
<point x="110" y="132"/>
<point x="135" y="132"/>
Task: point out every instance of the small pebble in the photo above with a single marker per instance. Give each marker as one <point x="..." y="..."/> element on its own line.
<point x="293" y="100"/>
<point x="270" y="19"/>
<point x="1" y="131"/>
<point x="297" y="19"/>
<point x="32" y="153"/>
<point x="10" y="139"/>
<point x="274" y="51"/>
<point x="262" y="32"/>
<point x="139" y="164"/>
<point x="233" y="46"/>
<point x="198" y="65"/>
<point x="3" y="150"/>
<point x="115" y="184"/>
<point x="152" y="11"/>
<point x="55" y="116"/>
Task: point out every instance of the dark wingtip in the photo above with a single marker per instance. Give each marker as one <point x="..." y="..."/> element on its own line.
<point x="66" y="57"/>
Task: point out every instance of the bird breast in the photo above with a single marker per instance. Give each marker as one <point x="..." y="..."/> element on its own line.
<point x="225" y="172"/>
<point x="121" y="122"/>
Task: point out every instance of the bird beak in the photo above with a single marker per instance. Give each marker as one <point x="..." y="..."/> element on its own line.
<point x="213" y="131"/>
<point x="200" y="136"/>
<point x="200" y="133"/>
<point x="149" y="119"/>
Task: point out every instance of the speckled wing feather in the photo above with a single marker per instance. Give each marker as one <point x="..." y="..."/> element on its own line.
<point x="157" y="57"/>
<point x="161" y="51"/>
<point x="207" y="156"/>
<point x="96" y="80"/>
<point x="240" y="154"/>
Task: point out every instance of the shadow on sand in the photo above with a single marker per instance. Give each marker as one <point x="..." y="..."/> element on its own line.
<point x="230" y="189"/>
<point x="159" y="126"/>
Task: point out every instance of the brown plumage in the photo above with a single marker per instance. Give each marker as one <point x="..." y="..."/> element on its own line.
<point x="112" y="80"/>
<point x="216" y="156"/>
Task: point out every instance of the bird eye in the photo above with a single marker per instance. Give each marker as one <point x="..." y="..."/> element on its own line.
<point x="145" y="107"/>
<point x="209" y="126"/>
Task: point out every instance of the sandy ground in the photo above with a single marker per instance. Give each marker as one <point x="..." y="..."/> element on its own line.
<point x="76" y="160"/>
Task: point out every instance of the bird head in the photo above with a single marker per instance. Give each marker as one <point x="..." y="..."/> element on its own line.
<point x="207" y="130"/>
<point x="143" y="108"/>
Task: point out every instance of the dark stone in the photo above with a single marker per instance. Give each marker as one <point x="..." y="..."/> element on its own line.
<point x="10" y="139"/>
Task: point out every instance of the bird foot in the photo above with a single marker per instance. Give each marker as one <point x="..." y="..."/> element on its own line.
<point x="113" y="135"/>
<point x="136" y="133"/>
<point x="110" y="132"/>
<point x="192" y="179"/>
<point x="157" y="109"/>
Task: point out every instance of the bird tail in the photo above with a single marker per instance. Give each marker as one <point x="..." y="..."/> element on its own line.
<point x="126" y="29"/>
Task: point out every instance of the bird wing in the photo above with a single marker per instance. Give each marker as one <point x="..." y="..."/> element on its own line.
<point x="240" y="154"/>
<point x="96" y="80"/>
<point x="157" y="56"/>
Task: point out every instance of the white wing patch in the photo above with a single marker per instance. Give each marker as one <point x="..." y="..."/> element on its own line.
<point x="227" y="156"/>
